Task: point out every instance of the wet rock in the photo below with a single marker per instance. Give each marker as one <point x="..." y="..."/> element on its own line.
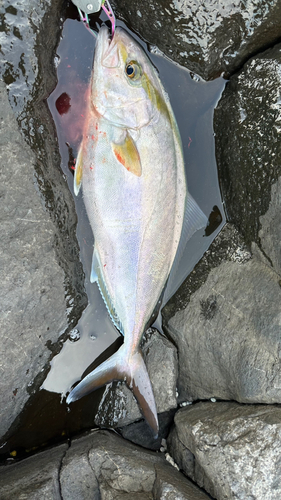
<point x="119" y="408"/>
<point x="181" y="455"/>
<point x="236" y="448"/>
<point x="99" y="465"/>
<point x="32" y="283"/>
<point x="123" y="470"/>
<point x="77" y="477"/>
<point x="139" y="433"/>
<point x="228" y="330"/>
<point x="42" y="280"/>
<point x="247" y="126"/>
<point x="270" y="228"/>
<point x="33" y="478"/>
<point x="29" y="36"/>
<point x="209" y="38"/>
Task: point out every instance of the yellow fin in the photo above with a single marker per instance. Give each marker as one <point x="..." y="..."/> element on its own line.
<point x="128" y="155"/>
<point x="78" y="171"/>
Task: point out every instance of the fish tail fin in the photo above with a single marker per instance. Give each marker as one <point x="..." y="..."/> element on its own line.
<point x="130" y="368"/>
<point x="142" y="390"/>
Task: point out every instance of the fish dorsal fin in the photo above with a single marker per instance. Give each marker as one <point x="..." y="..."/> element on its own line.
<point x="127" y="154"/>
<point x="78" y="171"/>
<point x="97" y="277"/>
<point x="194" y="219"/>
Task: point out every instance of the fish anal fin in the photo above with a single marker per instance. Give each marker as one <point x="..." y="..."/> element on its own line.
<point x="194" y="219"/>
<point x="127" y="154"/>
<point x="78" y="171"/>
<point x="98" y="277"/>
<point x="122" y="366"/>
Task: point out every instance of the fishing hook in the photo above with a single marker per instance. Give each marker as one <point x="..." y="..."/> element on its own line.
<point x="110" y="14"/>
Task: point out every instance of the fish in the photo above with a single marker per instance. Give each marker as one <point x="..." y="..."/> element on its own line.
<point x="131" y="168"/>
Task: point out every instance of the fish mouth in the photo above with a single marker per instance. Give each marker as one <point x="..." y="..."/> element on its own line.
<point x="104" y="43"/>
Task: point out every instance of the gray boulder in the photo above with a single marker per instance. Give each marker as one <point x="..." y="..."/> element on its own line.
<point x="35" y="478"/>
<point x="33" y="308"/>
<point x="122" y="469"/>
<point x="42" y="280"/>
<point x="247" y="125"/>
<point x="270" y="229"/>
<point x="228" y="330"/>
<point x="98" y="466"/>
<point x="236" y="449"/>
<point x="229" y="336"/>
<point x="210" y="38"/>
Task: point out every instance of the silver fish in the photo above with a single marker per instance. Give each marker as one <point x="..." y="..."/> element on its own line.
<point x="131" y="168"/>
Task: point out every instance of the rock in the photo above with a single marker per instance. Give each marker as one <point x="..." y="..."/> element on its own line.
<point x="209" y="38"/>
<point x="33" y="478"/>
<point x="270" y="228"/>
<point x="119" y="408"/>
<point x="42" y="280"/>
<point x="236" y="448"/>
<point x="99" y="465"/>
<point x="32" y="289"/>
<point x="29" y="37"/>
<point x="247" y="127"/>
<point x="77" y="478"/>
<point x="181" y="455"/>
<point x="139" y="432"/>
<point x="169" y="485"/>
<point x="228" y="334"/>
<point x="123" y="469"/>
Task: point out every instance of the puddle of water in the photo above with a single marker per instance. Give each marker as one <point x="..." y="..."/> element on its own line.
<point x="193" y="101"/>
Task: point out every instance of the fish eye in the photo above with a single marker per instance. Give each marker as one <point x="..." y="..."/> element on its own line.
<point x="133" y="70"/>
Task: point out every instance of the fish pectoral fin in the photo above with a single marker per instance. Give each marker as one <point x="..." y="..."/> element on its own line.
<point x="127" y="154"/>
<point x="130" y="368"/>
<point x="78" y="171"/>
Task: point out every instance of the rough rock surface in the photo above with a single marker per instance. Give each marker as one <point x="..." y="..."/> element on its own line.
<point x="29" y="35"/>
<point x="119" y="408"/>
<point x="42" y="279"/>
<point x="98" y="466"/>
<point x="228" y="330"/>
<point x="33" y="478"/>
<point x="247" y="125"/>
<point x="236" y="449"/>
<point x="32" y="291"/>
<point x="228" y="336"/>
<point x="208" y="37"/>
<point x="270" y="228"/>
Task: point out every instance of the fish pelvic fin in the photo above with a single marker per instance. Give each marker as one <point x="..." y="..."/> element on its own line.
<point x="129" y="368"/>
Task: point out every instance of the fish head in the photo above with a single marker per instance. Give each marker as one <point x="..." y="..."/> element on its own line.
<point x="125" y="88"/>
